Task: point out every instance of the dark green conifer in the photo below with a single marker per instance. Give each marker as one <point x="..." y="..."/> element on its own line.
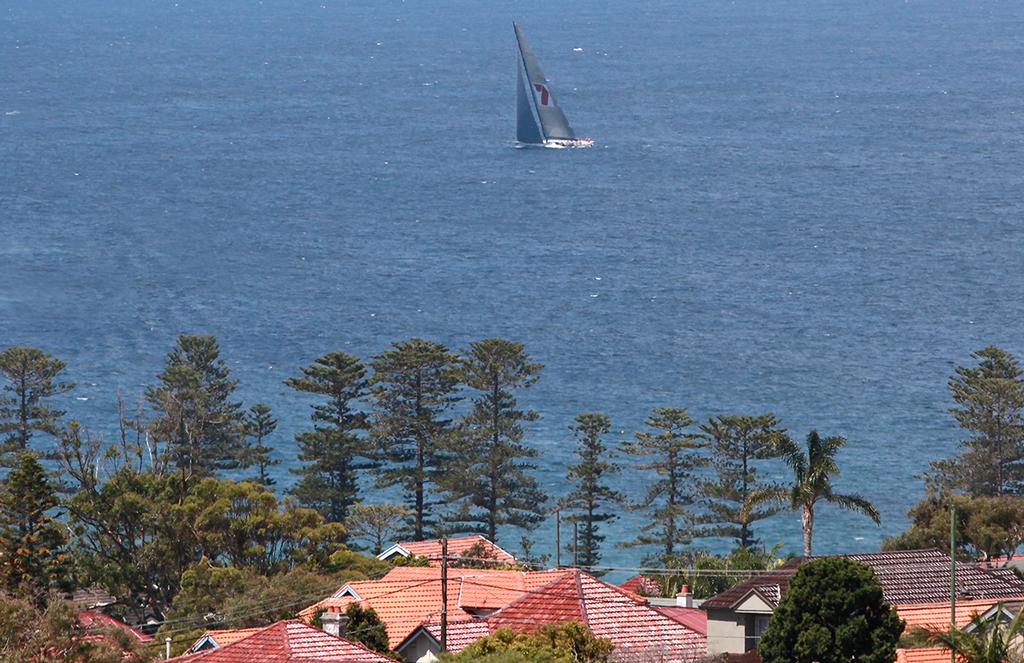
<point x="489" y="475"/>
<point x="259" y="424"/>
<point x="590" y="499"/>
<point x="738" y="445"/>
<point x="196" y="417"/>
<point x="413" y="387"/>
<point x="333" y="452"/>
<point x="31" y="378"/>
<point x="673" y="453"/>
<point x="31" y="540"/>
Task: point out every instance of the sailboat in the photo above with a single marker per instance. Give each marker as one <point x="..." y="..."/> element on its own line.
<point x="539" y="120"/>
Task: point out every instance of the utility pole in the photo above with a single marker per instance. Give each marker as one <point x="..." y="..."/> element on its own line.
<point x="575" y="545"/>
<point x="952" y="576"/>
<point x="558" y="538"/>
<point x="444" y="594"/>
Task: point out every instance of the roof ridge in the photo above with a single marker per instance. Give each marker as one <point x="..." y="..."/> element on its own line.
<point x="582" y="599"/>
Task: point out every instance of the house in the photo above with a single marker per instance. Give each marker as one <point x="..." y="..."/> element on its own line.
<point x="738" y="616"/>
<point x="220" y="638"/>
<point x="639" y="631"/>
<point x="431" y="550"/>
<point x="409" y="596"/>
<point x="288" y="641"/>
<point x="97" y="626"/>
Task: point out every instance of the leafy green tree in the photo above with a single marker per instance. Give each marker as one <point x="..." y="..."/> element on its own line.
<point x="414" y="386"/>
<point x="567" y="642"/>
<point x="31" y="378"/>
<point x="32" y="541"/>
<point x="812" y="483"/>
<point x="706" y="574"/>
<point x="490" y="474"/>
<point x="987" y="527"/>
<point x="333" y="452"/>
<point x="673" y="453"/>
<point x="738" y="444"/>
<point x="990" y="407"/>
<point x="982" y="641"/>
<point x="377" y="523"/>
<point x="54" y="634"/>
<point x="591" y="497"/>
<point x="196" y="417"/>
<point x="258" y="425"/>
<point x="833" y="612"/>
<point x="366" y="627"/>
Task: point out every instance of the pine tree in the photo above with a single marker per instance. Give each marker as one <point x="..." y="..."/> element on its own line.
<point x="990" y="406"/>
<point x="672" y="452"/>
<point x="590" y="497"/>
<point x="333" y="452"/>
<point x="31" y="540"/>
<point x="489" y="474"/>
<point x="31" y="377"/>
<point x="413" y="387"/>
<point x="738" y="444"/>
<point x="258" y="425"/>
<point x="196" y="417"/>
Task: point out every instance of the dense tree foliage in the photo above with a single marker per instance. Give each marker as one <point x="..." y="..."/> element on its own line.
<point x="987" y="527"/>
<point x="591" y="499"/>
<point x="32" y="541"/>
<point x="376" y="523"/>
<point x="333" y="453"/>
<point x="673" y="453"/>
<point x="30" y="382"/>
<point x="196" y="416"/>
<point x="258" y="424"/>
<point x="989" y="406"/>
<point x="738" y="444"/>
<point x="833" y="612"/>
<point x="363" y="625"/>
<point x="414" y="386"/>
<point x="491" y="477"/>
<point x="568" y="642"/>
<point x="706" y="574"/>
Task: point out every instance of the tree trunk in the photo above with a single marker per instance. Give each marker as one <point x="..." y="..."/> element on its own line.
<point x="807" y="522"/>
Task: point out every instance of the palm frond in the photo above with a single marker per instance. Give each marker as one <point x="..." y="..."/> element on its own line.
<point x="855" y="503"/>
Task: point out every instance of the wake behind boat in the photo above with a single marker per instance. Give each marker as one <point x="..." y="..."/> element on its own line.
<point x="539" y="120"/>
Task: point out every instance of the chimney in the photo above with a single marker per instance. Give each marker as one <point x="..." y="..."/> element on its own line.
<point x="335" y="623"/>
<point x="684" y="599"/>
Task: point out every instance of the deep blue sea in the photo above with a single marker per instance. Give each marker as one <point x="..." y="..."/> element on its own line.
<point x="813" y="208"/>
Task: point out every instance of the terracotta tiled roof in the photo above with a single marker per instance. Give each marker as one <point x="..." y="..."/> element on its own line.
<point x="460" y="634"/>
<point x="635" y="628"/>
<point x="97" y="621"/>
<point x="924" y="655"/>
<point x="907" y="577"/>
<point x="409" y="596"/>
<point x="288" y="641"/>
<point x="223" y="637"/>
<point x="935" y="616"/>
<point x="694" y="619"/>
<point x="456" y="546"/>
<point x="641" y="585"/>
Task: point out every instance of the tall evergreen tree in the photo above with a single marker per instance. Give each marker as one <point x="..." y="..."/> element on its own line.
<point x="258" y="424"/>
<point x="738" y="444"/>
<point x="591" y="497"/>
<point x="673" y="453"/>
<point x="31" y="378"/>
<point x="490" y="474"/>
<point x="413" y="387"/>
<point x="196" y="417"/>
<point x="990" y="407"/>
<point x="333" y="452"/>
<point x="31" y="540"/>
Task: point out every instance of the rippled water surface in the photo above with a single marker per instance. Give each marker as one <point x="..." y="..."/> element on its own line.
<point x="813" y="208"/>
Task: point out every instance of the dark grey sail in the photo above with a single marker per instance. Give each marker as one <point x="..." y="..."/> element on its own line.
<point x="527" y="123"/>
<point x="538" y="94"/>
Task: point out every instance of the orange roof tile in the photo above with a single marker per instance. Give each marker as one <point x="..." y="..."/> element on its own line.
<point x="288" y="641"/>
<point x="635" y="628"/>
<point x="224" y="637"/>
<point x="456" y="546"/>
<point x="935" y="616"/>
<point x="92" y="620"/>
<point x="924" y="655"/>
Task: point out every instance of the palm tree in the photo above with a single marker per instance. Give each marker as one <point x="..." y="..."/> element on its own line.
<point x="982" y="641"/>
<point x="812" y="483"/>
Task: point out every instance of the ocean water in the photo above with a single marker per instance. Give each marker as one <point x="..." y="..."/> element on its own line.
<point x="808" y="208"/>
